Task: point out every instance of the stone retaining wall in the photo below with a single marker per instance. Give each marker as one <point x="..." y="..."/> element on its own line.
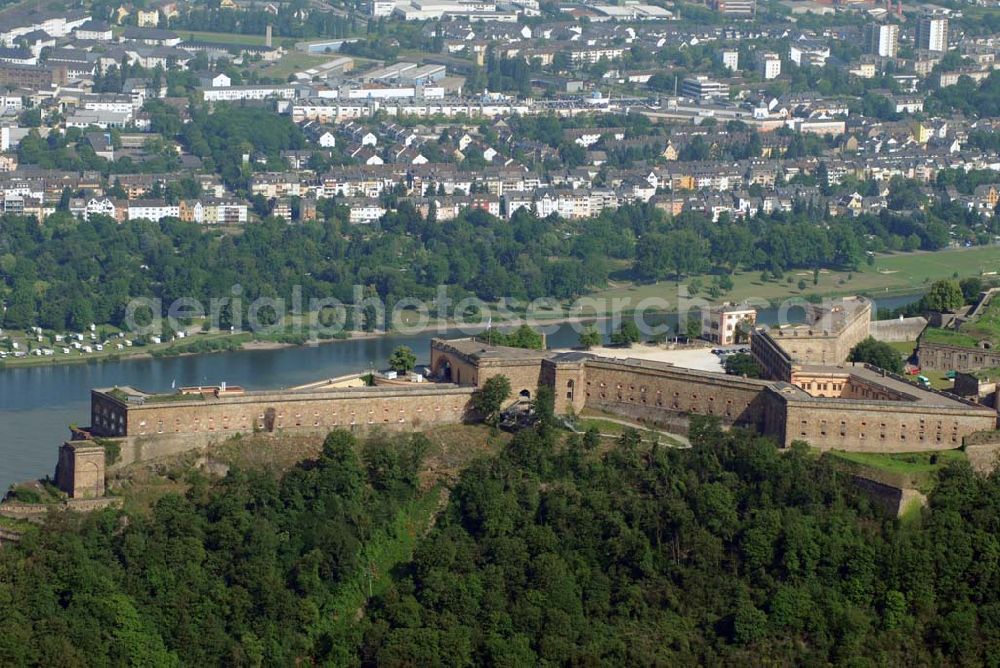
<point x="906" y="329"/>
<point x="984" y="457"/>
<point x="894" y="501"/>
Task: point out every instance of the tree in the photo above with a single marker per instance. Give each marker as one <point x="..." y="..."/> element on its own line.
<point x="944" y="295"/>
<point x="402" y="360"/>
<point x="522" y="337"/>
<point x="682" y="251"/>
<point x="692" y="328"/>
<point x="742" y="364"/>
<point x="626" y="334"/>
<point x="877" y="353"/>
<point x="20" y="312"/>
<point x="572" y="154"/>
<point x="971" y="287"/>
<point x="488" y="400"/>
<point x="743" y="330"/>
<point x="81" y="313"/>
<point x="544" y="408"/>
<point x="749" y="624"/>
<point x="525" y="337"/>
<point x="590" y="337"/>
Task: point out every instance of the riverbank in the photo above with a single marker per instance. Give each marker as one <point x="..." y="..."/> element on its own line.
<point x="196" y="342"/>
<point x="888" y="276"/>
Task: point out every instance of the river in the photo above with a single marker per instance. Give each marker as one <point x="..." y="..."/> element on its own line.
<point x="38" y="403"/>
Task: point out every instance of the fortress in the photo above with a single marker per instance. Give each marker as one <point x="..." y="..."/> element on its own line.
<point x="809" y="394"/>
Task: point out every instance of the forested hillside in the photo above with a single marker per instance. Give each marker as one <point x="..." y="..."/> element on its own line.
<point x="730" y="552"/>
<point x="549" y="554"/>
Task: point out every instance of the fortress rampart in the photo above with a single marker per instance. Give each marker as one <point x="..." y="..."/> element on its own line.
<point x="943" y="357"/>
<point x="150" y="426"/>
<point x="848" y="407"/>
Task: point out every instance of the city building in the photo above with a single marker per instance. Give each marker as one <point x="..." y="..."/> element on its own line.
<point x="382" y="8"/>
<point x="808" y="52"/>
<point x="702" y="88"/>
<point x="769" y="65"/>
<point x="735" y="7"/>
<point x="728" y="324"/>
<point x="932" y="33"/>
<point x="882" y="39"/>
<point x="154" y="210"/>
<point x="731" y="59"/>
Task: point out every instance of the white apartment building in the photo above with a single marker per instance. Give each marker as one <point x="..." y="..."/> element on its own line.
<point x="769" y="65"/>
<point x="731" y="59"/>
<point x="882" y="39"/>
<point x="932" y="33"/>
<point x="154" y="210"/>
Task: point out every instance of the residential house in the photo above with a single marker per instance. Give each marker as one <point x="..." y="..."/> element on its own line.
<point x="151" y="209"/>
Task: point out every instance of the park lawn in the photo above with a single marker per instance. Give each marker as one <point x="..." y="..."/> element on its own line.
<point x="907" y="463"/>
<point x="897" y="273"/>
<point x="937" y="378"/>
<point x="948" y="337"/>
<point x="904" y="348"/>
<point x="605" y="426"/>
<point x="929" y="266"/>
<point x="747" y="285"/>
<point x="910" y="469"/>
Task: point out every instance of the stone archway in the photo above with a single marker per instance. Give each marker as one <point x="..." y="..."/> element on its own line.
<point x="524" y="395"/>
<point x="443" y="370"/>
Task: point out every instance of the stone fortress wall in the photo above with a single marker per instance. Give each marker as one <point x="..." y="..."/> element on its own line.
<point x="829" y="332"/>
<point x="942" y="357"/>
<point x="901" y="329"/>
<point x="148" y="428"/>
<point x="659" y="393"/>
<point x="842" y="406"/>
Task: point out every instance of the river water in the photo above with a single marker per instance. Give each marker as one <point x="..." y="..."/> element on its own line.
<point x="38" y="403"/>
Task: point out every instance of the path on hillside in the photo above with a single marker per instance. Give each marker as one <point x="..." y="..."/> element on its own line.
<point x="682" y="440"/>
